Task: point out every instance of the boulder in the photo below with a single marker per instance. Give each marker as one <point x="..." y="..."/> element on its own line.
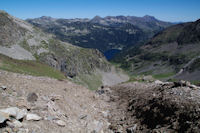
<point x="14" y="124"/>
<point x="60" y="123"/>
<point x="3" y="116"/>
<point x="82" y="116"/>
<point x="21" y="114"/>
<point x="158" y="82"/>
<point x="148" y="78"/>
<point x="3" y="87"/>
<point x="15" y="112"/>
<point x="12" y="111"/>
<point x="132" y="129"/>
<point x="33" y="117"/>
<point x="32" y="97"/>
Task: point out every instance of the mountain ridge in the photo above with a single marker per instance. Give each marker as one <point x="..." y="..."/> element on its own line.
<point x="22" y="41"/>
<point x="167" y="53"/>
<point x="105" y="33"/>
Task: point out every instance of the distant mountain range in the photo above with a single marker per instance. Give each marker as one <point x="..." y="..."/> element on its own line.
<point x="108" y="34"/>
<point x="141" y="45"/>
<point x="171" y="53"/>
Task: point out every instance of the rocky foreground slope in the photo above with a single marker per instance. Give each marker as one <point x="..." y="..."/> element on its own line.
<point x="42" y="105"/>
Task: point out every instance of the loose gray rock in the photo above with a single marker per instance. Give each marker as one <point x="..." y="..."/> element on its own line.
<point x="14" y="124"/>
<point x="15" y="112"/>
<point x="21" y="114"/>
<point x="12" y="111"/>
<point x="3" y="87"/>
<point x="132" y="129"/>
<point x="158" y="82"/>
<point x="33" y="117"/>
<point x="50" y="118"/>
<point x="32" y="97"/>
<point x="3" y="116"/>
<point x="60" y="123"/>
<point x="82" y="116"/>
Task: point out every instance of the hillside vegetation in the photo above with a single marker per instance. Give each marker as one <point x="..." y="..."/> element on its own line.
<point x="168" y="55"/>
<point x="34" y="68"/>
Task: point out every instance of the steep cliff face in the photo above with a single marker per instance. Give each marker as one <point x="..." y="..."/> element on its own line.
<point x="20" y="40"/>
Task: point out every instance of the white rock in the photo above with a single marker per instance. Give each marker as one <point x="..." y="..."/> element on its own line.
<point x="158" y="82"/>
<point x="60" y="123"/>
<point x="17" y="123"/>
<point x="14" y="124"/>
<point x="194" y="87"/>
<point x="3" y="87"/>
<point x="21" y="114"/>
<point x="12" y="111"/>
<point x="15" y="112"/>
<point x="33" y="117"/>
<point x="132" y="129"/>
<point x="3" y="116"/>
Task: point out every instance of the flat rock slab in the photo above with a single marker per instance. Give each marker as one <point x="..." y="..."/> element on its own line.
<point x="33" y="117"/>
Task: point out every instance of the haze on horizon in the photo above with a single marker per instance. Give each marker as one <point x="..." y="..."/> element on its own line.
<point x="168" y="10"/>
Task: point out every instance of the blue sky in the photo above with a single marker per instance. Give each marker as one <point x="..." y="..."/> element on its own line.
<point x="168" y="10"/>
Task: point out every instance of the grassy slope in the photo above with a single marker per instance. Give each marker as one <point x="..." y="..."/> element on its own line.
<point x="92" y="81"/>
<point x="165" y="54"/>
<point x="34" y="68"/>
